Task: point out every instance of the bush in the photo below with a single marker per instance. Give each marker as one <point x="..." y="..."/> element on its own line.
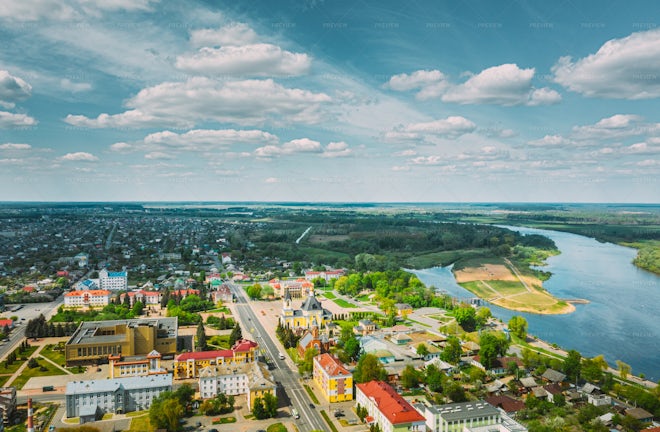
<point x="33" y="363"/>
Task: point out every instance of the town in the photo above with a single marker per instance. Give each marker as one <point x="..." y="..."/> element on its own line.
<point x="125" y="317"/>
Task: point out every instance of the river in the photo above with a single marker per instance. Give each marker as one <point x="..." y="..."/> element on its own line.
<point x="622" y="320"/>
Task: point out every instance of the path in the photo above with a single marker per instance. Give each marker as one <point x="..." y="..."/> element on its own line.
<point x="515" y="271"/>
<point x="56" y="365"/>
<point x="303" y="235"/>
<point x="20" y="370"/>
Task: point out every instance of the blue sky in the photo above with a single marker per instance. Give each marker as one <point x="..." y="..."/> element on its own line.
<point x="329" y="101"/>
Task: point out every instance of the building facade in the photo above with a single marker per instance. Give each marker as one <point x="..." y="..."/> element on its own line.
<point x="251" y="379"/>
<point x="311" y="312"/>
<point x="113" y="281"/>
<point x="94" y="341"/>
<point x="7" y="403"/>
<point x="189" y="365"/>
<point x="386" y="408"/>
<point x="150" y="364"/>
<point x="455" y="417"/>
<point x="118" y="396"/>
<point x="87" y="298"/>
<point x="334" y="380"/>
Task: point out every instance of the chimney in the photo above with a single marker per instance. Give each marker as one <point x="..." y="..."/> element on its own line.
<point x="30" y="422"/>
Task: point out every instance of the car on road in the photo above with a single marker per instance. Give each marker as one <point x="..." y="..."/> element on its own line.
<point x="281" y="356"/>
<point x="312" y="406"/>
<point x="213" y="430"/>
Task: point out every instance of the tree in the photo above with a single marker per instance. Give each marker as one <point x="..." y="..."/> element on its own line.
<point x="466" y="318"/>
<point x="435" y="379"/>
<point x="571" y="366"/>
<point x="258" y="409"/>
<point x="369" y="369"/>
<point x="455" y="392"/>
<point x="352" y="348"/>
<point x="137" y="308"/>
<point x="452" y="352"/>
<point x="624" y="369"/>
<point x="201" y="337"/>
<point x="307" y="365"/>
<point x="254" y="291"/>
<point x="491" y="347"/>
<point x="165" y="412"/>
<point x="518" y="326"/>
<point x="236" y="334"/>
<point x="591" y="369"/>
<point x="483" y="315"/>
<point x="410" y="377"/>
<point x="270" y="405"/>
<point x="422" y="350"/>
<point x="184" y="394"/>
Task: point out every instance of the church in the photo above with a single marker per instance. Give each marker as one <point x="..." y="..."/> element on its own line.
<point x="311" y="312"/>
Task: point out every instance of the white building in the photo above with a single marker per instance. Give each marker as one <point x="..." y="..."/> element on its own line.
<point x="89" y="399"/>
<point x="456" y="417"/>
<point x="113" y="281"/>
<point x="87" y="298"/>
<point x="251" y="379"/>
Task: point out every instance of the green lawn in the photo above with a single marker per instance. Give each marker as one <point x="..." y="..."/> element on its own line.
<point x="311" y="394"/>
<point x="219" y="341"/>
<point x="28" y="373"/>
<point x="141" y="424"/>
<point x="328" y="421"/>
<point x="137" y="413"/>
<point x="363" y="298"/>
<point x="343" y="303"/>
<point x="276" y="427"/>
<point x="329" y="295"/>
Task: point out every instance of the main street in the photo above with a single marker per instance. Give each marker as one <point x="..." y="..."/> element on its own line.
<point x="289" y="380"/>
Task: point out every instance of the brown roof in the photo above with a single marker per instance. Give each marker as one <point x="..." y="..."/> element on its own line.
<point x="505" y="402"/>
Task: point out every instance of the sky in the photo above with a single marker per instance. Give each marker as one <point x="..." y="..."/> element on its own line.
<point x="329" y="100"/>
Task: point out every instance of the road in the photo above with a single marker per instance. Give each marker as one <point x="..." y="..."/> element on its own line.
<point x="289" y="380"/>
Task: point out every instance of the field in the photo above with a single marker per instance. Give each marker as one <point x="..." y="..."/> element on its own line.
<point x="502" y="284"/>
<point x="28" y="373"/>
<point x="343" y="303"/>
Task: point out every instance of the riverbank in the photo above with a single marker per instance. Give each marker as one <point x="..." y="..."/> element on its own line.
<point x="503" y="285"/>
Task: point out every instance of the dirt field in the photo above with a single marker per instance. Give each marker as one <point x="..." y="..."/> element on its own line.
<point x="327" y="238"/>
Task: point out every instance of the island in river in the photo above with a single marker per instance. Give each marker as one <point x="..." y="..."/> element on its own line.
<point x="500" y="282"/>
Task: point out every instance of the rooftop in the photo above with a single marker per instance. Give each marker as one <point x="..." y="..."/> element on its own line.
<point x="395" y="408"/>
<point x="464" y="410"/>
<point x="331" y="365"/>
<point x="112" y="385"/>
<point x="242" y="345"/>
<point x="87" y="331"/>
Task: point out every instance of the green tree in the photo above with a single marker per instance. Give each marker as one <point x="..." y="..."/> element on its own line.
<point x="236" y="334"/>
<point x="452" y="352"/>
<point x="137" y="308"/>
<point x="184" y="394"/>
<point x="483" y="315"/>
<point x="254" y="291"/>
<point x="258" y="409"/>
<point x="307" y="365"/>
<point x="455" y="392"/>
<point x="422" y="350"/>
<point x="201" y="337"/>
<point x="434" y="378"/>
<point x="270" y="405"/>
<point x="165" y="412"/>
<point x="491" y="347"/>
<point x="466" y="318"/>
<point x="410" y="377"/>
<point x="624" y="369"/>
<point x="572" y="365"/>
<point x="592" y="369"/>
<point x="518" y="326"/>
<point x="352" y="348"/>
<point x="368" y="369"/>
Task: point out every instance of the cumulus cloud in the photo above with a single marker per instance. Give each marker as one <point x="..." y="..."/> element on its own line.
<point x="11" y="120"/>
<point x="627" y="68"/>
<point x="12" y="89"/>
<point x="272" y="180"/>
<point x="78" y="157"/>
<point x="336" y="149"/>
<point x="121" y="147"/>
<point x="506" y="84"/>
<point x="302" y="145"/>
<point x="616" y="126"/>
<point x="551" y="141"/>
<point x="247" y="60"/>
<point x="234" y="34"/>
<point x="74" y="87"/>
<point x="203" y="99"/>
<point x="158" y="156"/>
<point x="428" y="160"/>
<point x="450" y="127"/>
<point x="12" y="146"/>
<point x="206" y="139"/>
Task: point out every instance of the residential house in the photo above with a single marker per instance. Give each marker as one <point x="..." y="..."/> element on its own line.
<point x="510" y="405"/>
<point x="386" y="408"/>
<point x="121" y="367"/>
<point x="403" y="309"/>
<point x="554" y="376"/>
<point x="364" y="327"/>
<point x="640" y="414"/>
<point x="312" y="340"/>
<point x="332" y="378"/>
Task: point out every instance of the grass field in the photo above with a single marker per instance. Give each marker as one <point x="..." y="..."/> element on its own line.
<point x="28" y="373"/>
<point x="140" y="424"/>
<point x="343" y="303"/>
<point x="329" y="295"/>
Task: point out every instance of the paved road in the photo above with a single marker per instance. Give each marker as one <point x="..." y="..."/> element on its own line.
<point x="290" y="387"/>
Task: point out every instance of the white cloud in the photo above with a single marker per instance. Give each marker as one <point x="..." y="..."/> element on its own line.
<point x="248" y="60"/>
<point x="505" y="84"/>
<point x="122" y="147"/>
<point x="11" y="120"/>
<point x="12" y="89"/>
<point x="205" y="139"/>
<point x="651" y="146"/>
<point x="401" y="168"/>
<point x="616" y="126"/>
<point x="416" y="80"/>
<point x="12" y="146"/>
<point x="648" y="163"/>
<point x="64" y="10"/>
<point x="627" y="68"/>
<point x="78" y="157"/>
<point x="409" y="152"/>
<point x="302" y="145"/>
<point x="74" y="87"/>
<point x="336" y="149"/>
<point x="203" y="99"/>
<point x="158" y="156"/>
<point x="272" y="180"/>
<point x="450" y="127"/>
<point x="268" y="151"/>
<point x="551" y="141"/>
<point x="235" y="34"/>
<point x="428" y="160"/>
